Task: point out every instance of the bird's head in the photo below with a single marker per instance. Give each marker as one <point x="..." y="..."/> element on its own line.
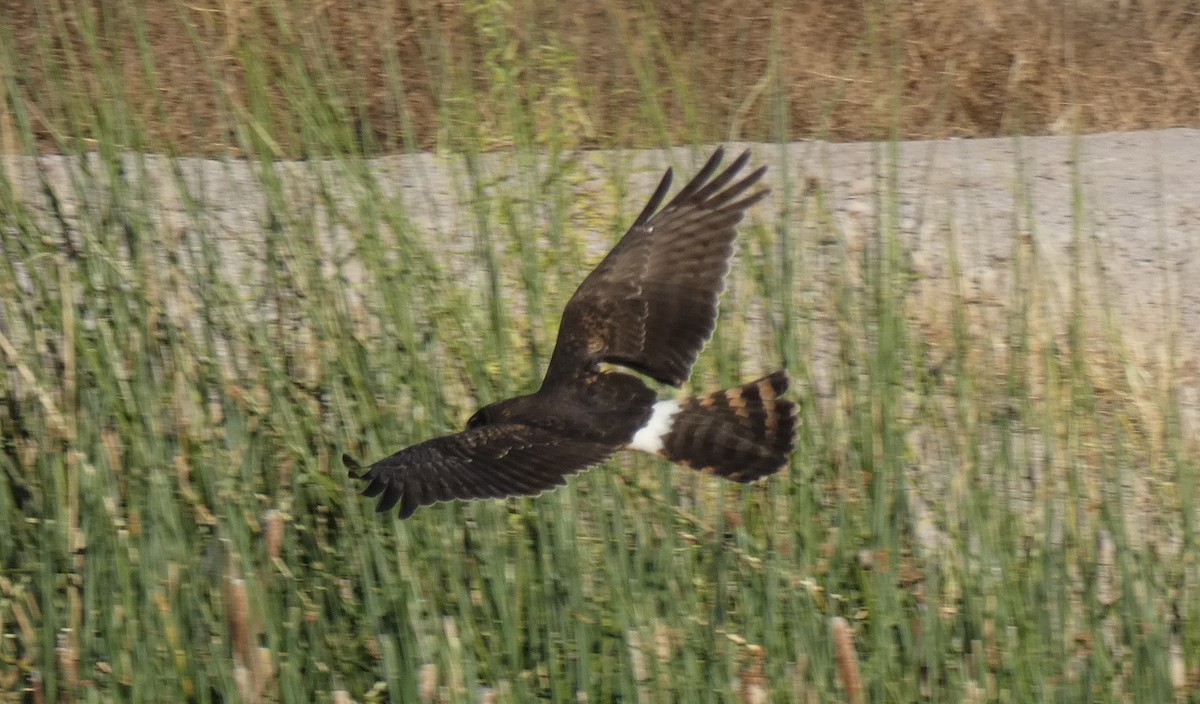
<point x="498" y="412"/>
<point x="480" y="418"/>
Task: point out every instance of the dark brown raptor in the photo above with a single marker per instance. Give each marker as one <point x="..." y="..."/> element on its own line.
<point x="650" y="306"/>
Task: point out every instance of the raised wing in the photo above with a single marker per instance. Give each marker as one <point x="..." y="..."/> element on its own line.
<point x="651" y="304"/>
<point x="491" y="461"/>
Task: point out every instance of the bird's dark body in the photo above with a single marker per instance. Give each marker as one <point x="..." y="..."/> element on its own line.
<point x="606" y="408"/>
<point x="650" y="306"/>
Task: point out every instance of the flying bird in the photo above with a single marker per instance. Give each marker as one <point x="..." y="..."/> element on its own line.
<point x="649" y="307"/>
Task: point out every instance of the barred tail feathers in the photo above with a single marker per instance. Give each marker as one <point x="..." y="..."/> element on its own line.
<point x="742" y="434"/>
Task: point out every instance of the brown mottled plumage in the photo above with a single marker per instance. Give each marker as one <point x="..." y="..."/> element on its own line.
<point x="649" y="306"/>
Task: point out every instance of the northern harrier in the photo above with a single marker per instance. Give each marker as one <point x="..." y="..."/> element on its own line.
<point x="649" y="307"/>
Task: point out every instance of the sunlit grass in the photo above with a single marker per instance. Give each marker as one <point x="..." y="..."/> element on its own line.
<point x="176" y="525"/>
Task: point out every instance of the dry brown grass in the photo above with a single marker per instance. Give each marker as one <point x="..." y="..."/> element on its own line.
<point x="966" y="67"/>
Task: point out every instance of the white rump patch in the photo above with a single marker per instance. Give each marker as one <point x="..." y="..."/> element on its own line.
<point x="649" y="438"/>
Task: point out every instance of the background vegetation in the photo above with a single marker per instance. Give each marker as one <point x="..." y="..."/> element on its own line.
<point x="175" y="524"/>
<point x="244" y="76"/>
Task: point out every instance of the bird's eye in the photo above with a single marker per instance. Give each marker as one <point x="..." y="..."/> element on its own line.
<point x="480" y="418"/>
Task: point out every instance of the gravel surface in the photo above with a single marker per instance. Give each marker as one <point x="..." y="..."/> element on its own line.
<point x="1130" y="200"/>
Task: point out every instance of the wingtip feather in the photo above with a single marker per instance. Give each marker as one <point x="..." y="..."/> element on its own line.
<point x="351" y="464"/>
<point x="656" y="200"/>
<point x="391" y="494"/>
<point x="408" y="506"/>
